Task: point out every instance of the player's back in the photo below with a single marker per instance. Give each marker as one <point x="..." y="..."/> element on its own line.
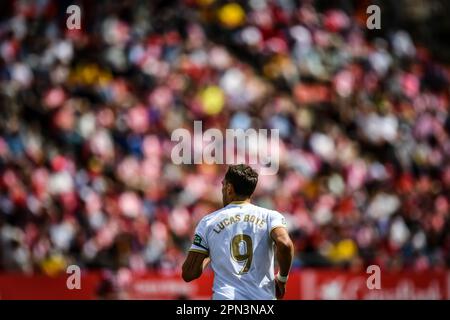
<point x="238" y="240"/>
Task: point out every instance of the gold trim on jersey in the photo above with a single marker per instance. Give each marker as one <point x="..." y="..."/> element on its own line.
<point x="239" y="202"/>
<point x="199" y="251"/>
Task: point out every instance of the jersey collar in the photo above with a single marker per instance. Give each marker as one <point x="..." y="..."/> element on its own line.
<point x="239" y="202"/>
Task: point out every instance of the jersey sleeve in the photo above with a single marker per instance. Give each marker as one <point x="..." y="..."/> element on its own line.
<point x="276" y="220"/>
<point x="200" y="243"/>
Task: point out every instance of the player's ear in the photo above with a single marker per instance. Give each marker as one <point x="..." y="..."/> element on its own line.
<point x="230" y="189"/>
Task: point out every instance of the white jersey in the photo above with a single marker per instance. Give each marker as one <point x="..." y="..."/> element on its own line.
<point x="237" y="239"/>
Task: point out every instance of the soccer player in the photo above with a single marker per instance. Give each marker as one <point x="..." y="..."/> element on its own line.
<point x="238" y="240"/>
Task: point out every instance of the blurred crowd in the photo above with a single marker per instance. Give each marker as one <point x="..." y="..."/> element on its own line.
<point x="86" y="175"/>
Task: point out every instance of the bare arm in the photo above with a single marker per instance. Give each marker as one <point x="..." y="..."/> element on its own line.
<point x="285" y="249"/>
<point x="206" y="262"/>
<point x="284" y="255"/>
<point x="194" y="265"/>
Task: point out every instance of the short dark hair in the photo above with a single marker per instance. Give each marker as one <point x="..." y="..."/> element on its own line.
<point x="243" y="179"/>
